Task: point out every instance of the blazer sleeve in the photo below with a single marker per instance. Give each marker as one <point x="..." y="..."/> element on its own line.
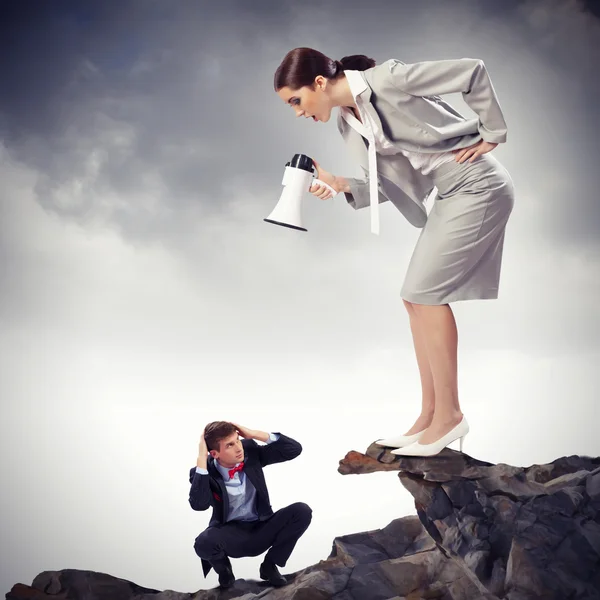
<point x="465" y="75"/>
<point x="282" y="450"/>
<point x="359" y="195"/>
<point x="200" y="494"/>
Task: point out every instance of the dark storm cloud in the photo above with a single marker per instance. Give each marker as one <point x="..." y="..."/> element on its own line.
<point x="177" y="86"/>
<point x="44" y="49"/>
<point x="131" y="101"/>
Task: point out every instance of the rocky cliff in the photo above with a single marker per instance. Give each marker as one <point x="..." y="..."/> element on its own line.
<point x="482" y="532"/>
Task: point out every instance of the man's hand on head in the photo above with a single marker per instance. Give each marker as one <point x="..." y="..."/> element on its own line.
<point x="202" y="447"/>
<point x="202" y="452"/>
<point x="244" y="432"/>
<point x="251" y="434"/>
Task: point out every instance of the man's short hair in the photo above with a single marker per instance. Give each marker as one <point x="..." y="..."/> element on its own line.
<point x="215" y="432"/>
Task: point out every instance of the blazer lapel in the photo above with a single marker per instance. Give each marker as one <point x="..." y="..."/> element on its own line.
<point x="219" y="479"/>
<point x="365" y="96"/>
<point x="356" y="142"/>
<point x="250" y="471"/>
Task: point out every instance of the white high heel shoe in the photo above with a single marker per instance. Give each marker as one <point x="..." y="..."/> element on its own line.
<point x="400" y="440"/>
<point x="418" y="449"/>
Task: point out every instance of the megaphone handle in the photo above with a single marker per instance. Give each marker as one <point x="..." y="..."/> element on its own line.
<point x="319" y="182"/>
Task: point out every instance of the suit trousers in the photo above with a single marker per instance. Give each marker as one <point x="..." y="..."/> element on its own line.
<point x="278" y="534"/>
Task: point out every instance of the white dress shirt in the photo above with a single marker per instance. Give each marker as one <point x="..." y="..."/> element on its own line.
<point x="240" y="491"/>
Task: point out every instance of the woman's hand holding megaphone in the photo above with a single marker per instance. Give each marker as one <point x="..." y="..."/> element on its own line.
<point x="338" y="184"/>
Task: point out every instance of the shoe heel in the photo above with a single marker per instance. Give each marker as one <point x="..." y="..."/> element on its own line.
<point x="460" y="442"/>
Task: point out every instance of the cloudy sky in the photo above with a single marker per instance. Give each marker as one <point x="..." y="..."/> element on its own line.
<point x="142" y="295"/>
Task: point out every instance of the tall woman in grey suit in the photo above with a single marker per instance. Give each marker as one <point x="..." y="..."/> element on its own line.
<point x="408" y="141"/>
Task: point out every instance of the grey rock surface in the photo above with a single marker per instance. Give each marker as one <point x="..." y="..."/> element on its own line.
<point x="398" y="561"/>
<point x="482" y="532"/>
<point x="520" y="532"/>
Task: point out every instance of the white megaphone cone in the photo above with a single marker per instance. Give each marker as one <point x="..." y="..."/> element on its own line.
<point x="297" y="180"/>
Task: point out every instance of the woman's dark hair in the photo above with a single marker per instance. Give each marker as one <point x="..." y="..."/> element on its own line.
<point x="301" y="65"/>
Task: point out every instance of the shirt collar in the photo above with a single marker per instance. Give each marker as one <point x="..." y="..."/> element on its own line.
<point x="223" y="470"/>
<point x="357" y="83"/>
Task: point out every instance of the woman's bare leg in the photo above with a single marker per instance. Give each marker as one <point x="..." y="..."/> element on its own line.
<point x="427" y="388"/>
<point x="438" y="332"/>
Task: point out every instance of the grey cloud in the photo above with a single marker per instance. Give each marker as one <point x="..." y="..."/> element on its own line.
<point x="167" y="106"/>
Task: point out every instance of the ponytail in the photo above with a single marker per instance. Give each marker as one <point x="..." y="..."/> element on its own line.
<point x="301" y="66"/>
<point x="356" y="62"/>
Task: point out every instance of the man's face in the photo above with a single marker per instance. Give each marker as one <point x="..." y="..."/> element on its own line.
<point x="231" y="451"/>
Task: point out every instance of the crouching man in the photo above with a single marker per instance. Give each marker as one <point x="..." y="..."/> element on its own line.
<point x="229" y="477"/>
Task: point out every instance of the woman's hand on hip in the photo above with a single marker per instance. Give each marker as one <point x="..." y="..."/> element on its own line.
<point x="474" y="151"/>
<point x="339" y="184"/>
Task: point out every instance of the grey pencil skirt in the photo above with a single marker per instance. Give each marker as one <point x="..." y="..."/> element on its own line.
<point x="458" y="255"/>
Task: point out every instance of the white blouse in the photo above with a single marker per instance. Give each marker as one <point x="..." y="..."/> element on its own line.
<point x="378" y="143"/>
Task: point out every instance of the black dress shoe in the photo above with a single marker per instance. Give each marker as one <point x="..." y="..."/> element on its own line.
<point x="270" y="572"/>
<point x="225" y="573"/>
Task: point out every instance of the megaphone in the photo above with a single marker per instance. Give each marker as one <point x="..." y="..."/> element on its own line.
<point x="297" y="180"/>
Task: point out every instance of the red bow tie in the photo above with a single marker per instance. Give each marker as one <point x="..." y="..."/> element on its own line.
<point x="233" y="471"/>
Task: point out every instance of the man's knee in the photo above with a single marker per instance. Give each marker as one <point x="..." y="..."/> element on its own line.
<point x="302" y="511"/>
<point x="207" y="543"/>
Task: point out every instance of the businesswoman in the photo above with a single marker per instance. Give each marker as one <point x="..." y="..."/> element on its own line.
<point x="408" y="140"/>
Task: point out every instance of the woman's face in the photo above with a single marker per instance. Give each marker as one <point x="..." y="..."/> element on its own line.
<point x="307" y="102"/>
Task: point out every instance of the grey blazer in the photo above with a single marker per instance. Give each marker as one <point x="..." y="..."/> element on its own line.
<point x="404" y="99"/>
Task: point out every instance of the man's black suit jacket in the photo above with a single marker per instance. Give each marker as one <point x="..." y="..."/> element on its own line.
<point x="209" y="490"/>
